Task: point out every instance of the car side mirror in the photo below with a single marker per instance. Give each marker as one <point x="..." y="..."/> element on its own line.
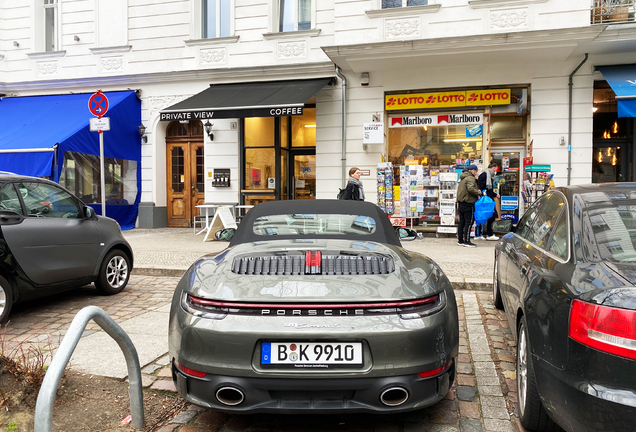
<point x="88" y="212"/>
<point x="406" y="234"/>
<point x="502" y="226"/>
<point x="10" y="217"/>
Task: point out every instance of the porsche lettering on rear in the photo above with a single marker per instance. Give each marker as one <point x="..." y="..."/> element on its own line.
<point x="312" y="312"/>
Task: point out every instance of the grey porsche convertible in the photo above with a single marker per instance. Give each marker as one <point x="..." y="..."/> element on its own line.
<point x="314" y="307"/>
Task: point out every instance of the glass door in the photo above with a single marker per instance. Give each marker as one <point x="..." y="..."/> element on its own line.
<point x="508" y="181"/>
<point x="303" y="181"/>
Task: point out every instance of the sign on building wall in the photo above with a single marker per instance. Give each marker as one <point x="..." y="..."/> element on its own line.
<point x="447" y="99"/>
<point x="437" y="120"/>
<point x="373" y="133"/>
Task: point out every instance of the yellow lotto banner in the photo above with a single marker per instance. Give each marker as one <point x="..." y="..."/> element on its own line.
<point x="447" y="99"/>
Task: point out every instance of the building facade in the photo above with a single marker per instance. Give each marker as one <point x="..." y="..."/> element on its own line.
<point x="527" y="73"/>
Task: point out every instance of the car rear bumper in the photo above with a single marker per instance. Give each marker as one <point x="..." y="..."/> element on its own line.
<point x="330" y="395"/>
<point x="585" y="405"/>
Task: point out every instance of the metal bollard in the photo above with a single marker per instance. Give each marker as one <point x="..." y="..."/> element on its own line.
<point x="46" y="397"/>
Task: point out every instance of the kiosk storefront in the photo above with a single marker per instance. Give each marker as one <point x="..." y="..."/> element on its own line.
<point x="447" y="130"/>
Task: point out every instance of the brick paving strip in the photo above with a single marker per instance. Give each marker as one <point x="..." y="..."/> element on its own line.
<point x="493" y="404"/>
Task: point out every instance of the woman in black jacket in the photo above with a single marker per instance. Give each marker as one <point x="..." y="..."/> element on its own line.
<point x="354" y="190"/>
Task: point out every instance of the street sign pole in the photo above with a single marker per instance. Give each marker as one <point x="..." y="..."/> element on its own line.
<point x="98" y="106"/>
<point x="102" y="171"/>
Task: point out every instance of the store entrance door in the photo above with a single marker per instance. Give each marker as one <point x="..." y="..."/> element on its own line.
<point x="184" y="169"/>
<point x="302" y="165"/>
<point x="509" y="180"/>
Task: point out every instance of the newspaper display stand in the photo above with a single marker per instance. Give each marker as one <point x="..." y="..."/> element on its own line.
<point x="537" y="180"/>
<point x="447" y="200"/>
<point x="385" y="187"/>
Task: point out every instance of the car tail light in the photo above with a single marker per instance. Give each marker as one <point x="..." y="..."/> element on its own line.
<point x="191" y="372"/>
<point x="200" y="308"/>
<point x="434" y="372"/>
<point x="435" y="304"/>
<point x="604" y="328"/>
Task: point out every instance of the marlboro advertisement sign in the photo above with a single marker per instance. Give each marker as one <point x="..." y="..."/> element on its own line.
<point x="436" y="120"/>
<point x="447" y="99"/>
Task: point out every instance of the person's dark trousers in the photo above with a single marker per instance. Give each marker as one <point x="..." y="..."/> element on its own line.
<point x="466" y="219"/>
<point x="489" y="231"/>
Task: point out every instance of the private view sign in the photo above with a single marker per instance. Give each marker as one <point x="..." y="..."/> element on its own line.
<point x="447" y="99"/>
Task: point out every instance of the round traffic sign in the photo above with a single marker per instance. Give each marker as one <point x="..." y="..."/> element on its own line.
<point x="98" y="104"/>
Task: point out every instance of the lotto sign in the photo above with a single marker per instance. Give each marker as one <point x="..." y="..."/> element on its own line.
<point x="447" y="99"/>
<point x="398" y="221"/>
<point x="98" y="104"/>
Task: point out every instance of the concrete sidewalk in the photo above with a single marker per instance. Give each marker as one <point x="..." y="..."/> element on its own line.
<point x="170" y="251"/>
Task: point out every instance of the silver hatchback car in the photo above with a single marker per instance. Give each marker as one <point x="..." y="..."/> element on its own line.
<point x="314" y="307"/>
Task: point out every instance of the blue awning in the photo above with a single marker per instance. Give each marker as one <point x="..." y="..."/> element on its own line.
<point x="622" y="79"/>
<point x="37" y="131"/>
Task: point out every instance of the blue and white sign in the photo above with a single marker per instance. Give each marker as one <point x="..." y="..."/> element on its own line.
<point x="509" y="202"/>
<point x="474" y="131"/>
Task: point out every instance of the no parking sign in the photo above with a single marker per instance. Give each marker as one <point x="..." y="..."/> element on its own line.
<point x="98" y="104"/>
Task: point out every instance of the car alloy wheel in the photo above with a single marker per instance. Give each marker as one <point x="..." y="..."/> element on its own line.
<point x="114" y="273"/>
<point x="496" y="294"/>
<point x="6" y="300"/>
<point x="532" y="414"/>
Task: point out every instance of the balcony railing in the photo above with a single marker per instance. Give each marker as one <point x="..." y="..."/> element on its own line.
<point x="613" y="11"/>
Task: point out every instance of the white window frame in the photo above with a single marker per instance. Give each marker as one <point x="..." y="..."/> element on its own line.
<point x="275" y="17"/>
<point x="196" y="20"/>
<point x="38" y="25"/>
<point x="379" y="4"/>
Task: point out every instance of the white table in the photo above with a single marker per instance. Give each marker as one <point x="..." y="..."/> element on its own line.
<point x="207" y="208"/>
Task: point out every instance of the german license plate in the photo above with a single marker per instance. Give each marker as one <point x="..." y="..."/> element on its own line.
<point x="308" y="354"/>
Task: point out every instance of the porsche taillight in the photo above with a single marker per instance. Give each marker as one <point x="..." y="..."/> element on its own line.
<point x="608" y="329"/>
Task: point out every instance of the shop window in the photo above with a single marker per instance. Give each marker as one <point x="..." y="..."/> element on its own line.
<point x="304" y="129"/>
<point x="612" y="136"/>
<point x="388" y="4"/>
<point x="216" y="18"/>
<point x="507" y="128"/>
<point x="260" y="168"/>
<point x="434" y="145"/>
<point x="295" y="15"/>
<point x="81" y="175"/>
<point x="259" y="132"/>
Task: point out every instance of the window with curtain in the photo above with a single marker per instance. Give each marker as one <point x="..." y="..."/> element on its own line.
<point x="388" y="4"/>
<point x="295" y="15"/>
<point x="216" y="18"/>
<point x="50" y="25"/>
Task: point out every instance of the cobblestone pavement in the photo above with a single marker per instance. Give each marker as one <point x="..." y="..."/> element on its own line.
<point x="483" y="398"/>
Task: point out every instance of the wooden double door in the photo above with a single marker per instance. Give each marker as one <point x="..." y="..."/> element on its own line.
<point x="185" y="172"/>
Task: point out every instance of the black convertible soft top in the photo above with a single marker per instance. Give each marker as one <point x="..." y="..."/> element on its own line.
<point x="384" y="231"/>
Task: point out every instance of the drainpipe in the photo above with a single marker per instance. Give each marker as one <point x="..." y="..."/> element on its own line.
<point x="570" y="120"/>
<point x="343" y="160"/>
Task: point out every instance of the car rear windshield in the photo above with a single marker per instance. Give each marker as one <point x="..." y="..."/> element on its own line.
<point x="609" y="229"/>
<point x="302" y="224"/>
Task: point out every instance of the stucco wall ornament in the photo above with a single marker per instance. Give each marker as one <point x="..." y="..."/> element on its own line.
<point x="208" y="56"/>
<point x="157" y="103"/>
<point x="509" y="19"/>
<point x="111" y="64"/>
<point x="47" y="68"/>
<point x="402" y="27"/>
<point x="292" y="50"/>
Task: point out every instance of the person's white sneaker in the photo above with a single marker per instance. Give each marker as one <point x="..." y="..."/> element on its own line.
<point x="480" y="238"/>
<point x="492" y="238"/>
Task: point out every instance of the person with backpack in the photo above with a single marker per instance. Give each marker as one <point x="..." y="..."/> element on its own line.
<point x="485" y="185"/>
<point x="354" y="190"/>
<point x="467" y="194"/>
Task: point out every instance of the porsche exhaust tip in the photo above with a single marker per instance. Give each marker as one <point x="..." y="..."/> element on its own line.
<point x="394" y="396"/>
<point x="229" y="396"/>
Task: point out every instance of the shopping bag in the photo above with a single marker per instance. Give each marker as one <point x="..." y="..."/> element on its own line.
<point x="484" y="208"/>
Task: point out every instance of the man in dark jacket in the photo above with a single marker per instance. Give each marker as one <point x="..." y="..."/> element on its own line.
<point x="484" y="182"/>
<point x="467" y="195"/>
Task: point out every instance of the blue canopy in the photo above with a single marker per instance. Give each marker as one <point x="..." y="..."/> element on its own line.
<point x="622" y="79"/>
<point x="31" y="127"/>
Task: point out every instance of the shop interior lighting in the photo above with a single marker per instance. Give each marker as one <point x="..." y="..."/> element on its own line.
<point x="609" y="151"/>
<point x="600" y="156"/>
<point x="594" y="109"/>
<point x="308" y="125"/>
<point x="615" y="129"/>
<point x="614" y="159"/>
<point x="462" y="139"/>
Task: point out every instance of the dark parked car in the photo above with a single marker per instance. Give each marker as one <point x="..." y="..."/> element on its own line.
<point x="50" y="241"/>
<point x="314" y="307"/>
<point x="565" y="277"/>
